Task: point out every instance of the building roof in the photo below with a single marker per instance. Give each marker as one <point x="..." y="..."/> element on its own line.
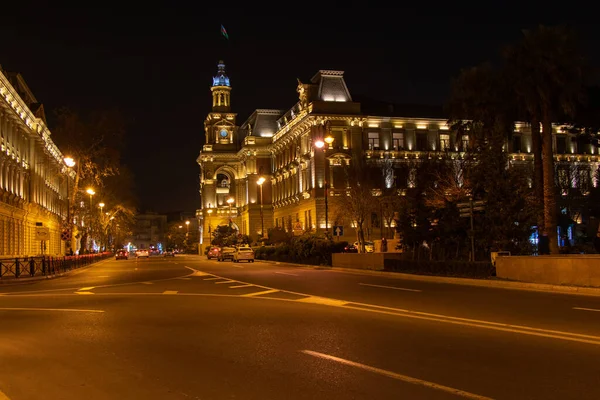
<point x="332" y="86"/>
<point x="262" y="123"/>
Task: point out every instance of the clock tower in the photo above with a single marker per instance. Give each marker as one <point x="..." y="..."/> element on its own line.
<point x="219" y="128"/>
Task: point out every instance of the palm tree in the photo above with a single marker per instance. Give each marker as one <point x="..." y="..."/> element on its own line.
<point x="551" y="69"/>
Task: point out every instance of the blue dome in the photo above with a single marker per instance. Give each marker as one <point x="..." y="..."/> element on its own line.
<point x="221" y="79"/>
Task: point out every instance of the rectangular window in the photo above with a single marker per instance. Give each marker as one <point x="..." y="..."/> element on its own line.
<point x="373" y="141"/>
<point x="398" y="140"/>
<point x="309" y="227"/>
<point x="444" y="142"/>
<point x="561" y="144"/>
<point x="516" y="144"/>
<point x="464" y="143"/>
<point x="422" y="142"/>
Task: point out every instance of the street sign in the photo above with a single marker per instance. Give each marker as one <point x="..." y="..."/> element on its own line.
<point x="66" y="235"/>
<point x="298" y="226"/>
<point x="42" y="233"/>
<point x="338" y="230"/>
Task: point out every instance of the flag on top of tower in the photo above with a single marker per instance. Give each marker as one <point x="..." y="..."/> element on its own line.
<point x="224" y="32"/>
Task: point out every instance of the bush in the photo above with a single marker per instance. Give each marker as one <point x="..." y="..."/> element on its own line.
<point x="308" y="249"/>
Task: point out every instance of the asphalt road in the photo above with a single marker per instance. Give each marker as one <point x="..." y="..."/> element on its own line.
<point x="189" y="328"/>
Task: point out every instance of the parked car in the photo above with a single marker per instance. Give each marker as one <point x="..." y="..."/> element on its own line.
<point x="350" y="249"/>
<point x="168" y="253"/>
<point x="369" y="246"/>
<point x="121" y="255"/>
<point x="142" y="253"/>
<point x="226" y="253"/>
<point x="243" y="253"/>
<point x="213" y="252"/>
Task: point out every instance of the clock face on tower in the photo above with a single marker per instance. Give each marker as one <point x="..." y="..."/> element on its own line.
<point x="223" y="133"/>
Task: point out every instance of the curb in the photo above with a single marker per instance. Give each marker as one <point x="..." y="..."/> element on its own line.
<point x="32" y="279"/>
<point x="498" y="284"/>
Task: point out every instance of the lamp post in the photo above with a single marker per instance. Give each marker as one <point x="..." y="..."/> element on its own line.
<point x="91" y="192"/>
<point x="230" y="202"/>
<point x="70" y="163"/>
<point x="260" y="182"/>
<point x="101" y="205"/>
<point x="320" y="144"/>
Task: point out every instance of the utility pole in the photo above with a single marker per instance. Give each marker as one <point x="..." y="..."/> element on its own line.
<point x="468" y="210"/>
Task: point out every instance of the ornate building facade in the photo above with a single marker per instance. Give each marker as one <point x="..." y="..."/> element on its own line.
<point x="285" y="148"/>
<point x="33" y="175"/>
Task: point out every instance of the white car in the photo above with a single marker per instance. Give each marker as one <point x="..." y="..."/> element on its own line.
<point x="369" y="247"/>
<point x="142" y="253"/>
<point x="243" y="253"/>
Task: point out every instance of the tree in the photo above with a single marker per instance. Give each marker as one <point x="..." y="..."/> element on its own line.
<point x="551" y="59"/>
<point x="356" y="201"/>
<point x="94" y="141"/>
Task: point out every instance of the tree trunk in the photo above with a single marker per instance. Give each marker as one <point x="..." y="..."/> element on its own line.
<point x="361" y="237"/>
<point x="549" y="187"/>
<point x="538" y="173"/>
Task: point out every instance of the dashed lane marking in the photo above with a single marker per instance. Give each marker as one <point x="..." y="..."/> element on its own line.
<point x="390" y="287"/>
<point x="184" y="279"/>
<point x="49" y="309"/>
<point x="586" y="309"/>
<point x="218" y="283"/>
<point x="81" y="292"/>
<point x="400" y="377"/>
<point x="239" y="286"/>
<point x="286" y="273"/>
<point x="3" y="396"/>
<point x="170" y="292"/>
<point x="260" y="293"/>
<point x="212" y="279"/>
<point x="148" y="283"/>
<point x="86" y="289"/>
<point x="323" y="300"/>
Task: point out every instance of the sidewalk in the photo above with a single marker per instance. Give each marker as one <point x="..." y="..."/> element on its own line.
<point x="25" y="279"/>
<point x="492" y="282"/>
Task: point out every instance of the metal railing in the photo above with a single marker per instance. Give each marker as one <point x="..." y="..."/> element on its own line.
<point x="19" y="267"/>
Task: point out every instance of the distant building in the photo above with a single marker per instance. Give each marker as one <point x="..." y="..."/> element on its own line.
<point x="33" y="175"/>
<point x="149" y="232"/>
<point x="281" y="146"/>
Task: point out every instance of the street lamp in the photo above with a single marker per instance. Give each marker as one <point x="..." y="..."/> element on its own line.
<point x="260" y="182"/>
<point x="91" y="192"/>
<point x="101" y="205"/>
<point x="230" y="202"/>
<point x="320" y="144"/>
<point x="70" y="163"/>
<point x="187" y="225"/>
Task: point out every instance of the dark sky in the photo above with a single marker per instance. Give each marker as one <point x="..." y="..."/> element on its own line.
<point x="156" y="64"/>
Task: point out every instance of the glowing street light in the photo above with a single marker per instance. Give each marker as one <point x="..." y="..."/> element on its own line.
<point x="230" y="202"/>
<point x="69" y="162"/>
<point x="320" y="144"/>
<point x="260" y="182"/>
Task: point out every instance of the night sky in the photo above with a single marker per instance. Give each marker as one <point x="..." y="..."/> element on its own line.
<point x="156" y="64"/>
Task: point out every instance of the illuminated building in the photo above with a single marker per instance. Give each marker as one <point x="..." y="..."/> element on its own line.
<point x="279" y="145"/>
<point x="33" y="174"/>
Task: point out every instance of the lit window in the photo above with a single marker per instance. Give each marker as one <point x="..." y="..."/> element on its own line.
<point x="373" y="141"/>
<point x="398" y="140"/>
<point x="444" y="142"/>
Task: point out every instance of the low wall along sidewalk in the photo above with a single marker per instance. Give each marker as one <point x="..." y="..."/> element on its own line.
<point x="568" y="269"/>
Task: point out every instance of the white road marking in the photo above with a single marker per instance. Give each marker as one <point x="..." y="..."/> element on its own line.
<point x="80" y="292"/>
<point x="212" y="279"/>
<point x="184" y="279"/>
<point x="260" y="293"/>
<point x="49" y="309"/>
<point x="286" y="273"/>
<point x="237" y="266"/>
<point x="390" y="287"/>
<point x="86" y="289"/>
<point x="322" y="300"/>
<point x="170" y="292"/>
<point x="3" y="396"/>
<point x="400" y="377"/>
<point x="586" y="309"/>
<point x="239" y="286"/>
<point x="148" y="283"/>
<point x="218" y="283"/>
